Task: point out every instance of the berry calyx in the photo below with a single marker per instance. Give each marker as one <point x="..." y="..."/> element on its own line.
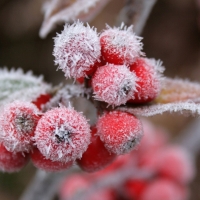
<point x="41" y="162"/>
<point x="114" y="84"/>
<point x="62" y="134"/>
<point x="12" y="161"/>
<point x="76" y="50"/>
<point x="148" y="72"/>
<point x="119" y="131"/>
<point x="120" y="46"/>
<point x="96" y="156"/>
<point x="18" y="121"/>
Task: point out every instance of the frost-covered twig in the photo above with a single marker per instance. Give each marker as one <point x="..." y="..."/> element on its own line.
<point x="45" y="185"/>
<point x="136" y="12"/>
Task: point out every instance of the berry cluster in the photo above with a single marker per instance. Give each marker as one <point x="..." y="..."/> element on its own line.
<point x="156" y="171"/>
<point x="111" y="62"/>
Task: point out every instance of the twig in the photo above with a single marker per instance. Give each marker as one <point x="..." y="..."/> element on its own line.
<point x="45" y="185"/>
<point x="136" y="12"/>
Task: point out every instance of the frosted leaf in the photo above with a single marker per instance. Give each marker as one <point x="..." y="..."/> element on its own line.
<point x="15" y="84"/>
<point x="151" y="110"/>
<point x="175" y="90"/>
<point x="114" y="84"/>
<point x="56" y="11"/>
<point x="76" y="50"/>
<point x="64" y="95"/>
<point x="62" y="134"/>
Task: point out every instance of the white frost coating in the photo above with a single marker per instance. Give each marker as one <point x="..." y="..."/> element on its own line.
<point x="152" y="78"/>
<point x="76" y="49"/>
<point x="67" y="11"/>
<point x="64" y="95"/>
<point x="17" y="125"/>
<point x="114" y="84"/>
<point x="15" y="84"/>
<point x="62" y="134"/>
<point x="175" y="90"/>
<point x="147" y="111"/>
<point x="123" y="42"/>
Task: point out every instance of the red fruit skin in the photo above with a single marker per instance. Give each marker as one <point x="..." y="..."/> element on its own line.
<point x="148" y="84"/>
<point x="121" y="132"/>
<point x="134" y="188"/>
<point x="42" y="99"/>
<point x="96" y="156"/>
<point x="41" y="162"/>
<point x="12" y="162"/>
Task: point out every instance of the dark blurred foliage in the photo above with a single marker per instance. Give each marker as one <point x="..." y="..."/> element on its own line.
<point x="171" y="35"/>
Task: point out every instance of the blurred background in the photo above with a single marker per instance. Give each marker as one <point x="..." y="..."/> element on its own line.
<point x="171" y="34"/>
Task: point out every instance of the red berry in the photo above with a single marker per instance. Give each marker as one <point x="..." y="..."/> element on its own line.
<point x="96" y="156"/>
<point x="41" y="162"/>
<point x="18" y="121"/>
<point x="62" y="134"/>
<point x="120" y="46"/>
<point x="134" y="188"/>
<point x="41" y="100"/>
<point x="163" y="189"/>
<point x="76" y="50"/>
<point x="148" y="72"/>
<point x="119" y="131"/>
<point x="114" y="84"/>
<point x="174" y="162"/>
<point x="12" y="161"/>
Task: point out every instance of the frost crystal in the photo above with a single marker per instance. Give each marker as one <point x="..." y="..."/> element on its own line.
<point x="76" y="50"/>
<point x="62" y="134"/>
<point x="17" y="125"/>
<point x="114" y="84"/>
<point x="120" y="45"/>
<point x="15" y="84"/>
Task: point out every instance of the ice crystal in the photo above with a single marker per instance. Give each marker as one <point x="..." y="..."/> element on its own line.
<point x="114" y="84"/>
<point x="17" y="125"/>
<point x="62" y="134"/>
<point x="76" y="49"/>
<point x="15" y="84"/>
<point x="121" y="43"/>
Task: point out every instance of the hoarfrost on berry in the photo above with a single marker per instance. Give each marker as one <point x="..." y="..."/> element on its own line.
<point x="120" y="45"/>
<point x="114" y="84"/>
<point x="120" y="131"/>
<point x="77" y="49"/>
<point x="62" y="134"/>
<point x="18" y="121"/>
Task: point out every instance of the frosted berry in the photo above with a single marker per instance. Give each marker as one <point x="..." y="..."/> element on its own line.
<point x="163" y="189"/>
<point x="119" y="131"/>
<point x="12" y="161"/>
<point x="96" y="156"/>
<point x="120" y="46"/>
<point x="41" y="100"/>
<point x="114" y="84"/>
<point x="41" y="162"/>
<point x="76" y="50"/>
<point x="148" y="72"/>
<point x="174" y="162"/>
<point x="18" y="121"/>
<point x="62" y="134"/>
